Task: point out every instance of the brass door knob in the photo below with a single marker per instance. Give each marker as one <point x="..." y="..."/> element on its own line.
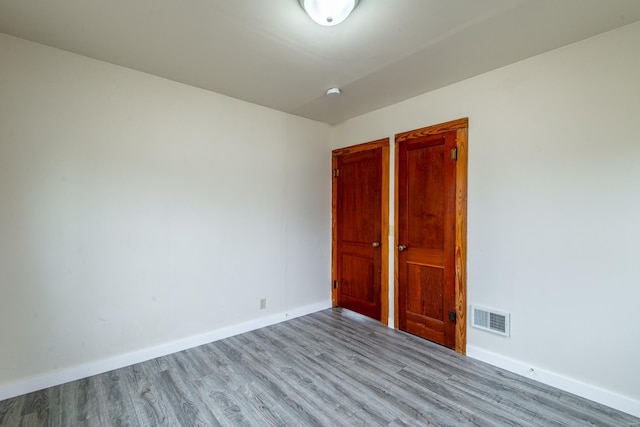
<point x="402" y="248"/>
<point x="376" y="244"/>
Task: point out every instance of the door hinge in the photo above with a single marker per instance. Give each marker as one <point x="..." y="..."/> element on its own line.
<point x="452" y="316"/>
<point x="335" y="284"/>
<point x="453" y="155"/>
<point x="336" y="173"/>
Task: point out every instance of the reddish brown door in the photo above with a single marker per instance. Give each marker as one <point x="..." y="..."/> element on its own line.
<point x="426" y="236"/>
<point x="358" y="231"/>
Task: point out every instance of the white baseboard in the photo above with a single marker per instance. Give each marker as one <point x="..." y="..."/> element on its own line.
<point x="605" y="397"/>
<point x="73" y="373"/>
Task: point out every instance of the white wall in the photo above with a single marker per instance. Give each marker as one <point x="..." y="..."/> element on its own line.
<point x="554" y="206"/>
<point x="136" y="211"/>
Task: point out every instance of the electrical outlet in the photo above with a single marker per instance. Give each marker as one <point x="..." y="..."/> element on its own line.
<point x="263" y="303"/>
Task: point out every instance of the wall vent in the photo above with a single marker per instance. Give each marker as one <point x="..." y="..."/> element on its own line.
<point x="491" y="320"/>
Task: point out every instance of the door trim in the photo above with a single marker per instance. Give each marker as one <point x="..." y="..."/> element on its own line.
<point x="461" y="126"/>
<point x="384" y="227"/>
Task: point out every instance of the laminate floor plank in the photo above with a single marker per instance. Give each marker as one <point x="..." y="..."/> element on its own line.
<point x="448" y="364"/>
<point x="351" y="363"/>
<point x="525" y="395"/>
<point x="74" y="402"/>
<point x="323" y="408"/>
<point x="30" y="420"/>
<point x="216" y="402"/>
<point x="185" y="377"/>
<point x="37" y="404"/>
<point x="225" y="406"/>
<point x="152" y="400"/>
<point x="474" y="390"/>
<point x="143" y="396"/>
<point x="381" y="372"/>
<point x="275" y="368"/>
<point x="346" y="400"/>
<point x="179" y="394"/>
<point x="527" y="406"/>
<point x="393" y="397"/>
<point x="11" y="411"/>
<point x="331" y="368"/>
<point x="263" y="400"/>
<point x="114" y="399"/>
<point x="322" y="387"/>
<point x="400" y="352"/>
<point x="336" y="381"/>
<point x="230" y="399"/>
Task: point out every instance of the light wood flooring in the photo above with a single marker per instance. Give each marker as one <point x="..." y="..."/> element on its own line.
<point x="331" y="368"/>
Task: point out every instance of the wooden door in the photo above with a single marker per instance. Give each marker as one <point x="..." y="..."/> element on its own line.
<point x="426" y="235"/>
<point x="358" y="230"/>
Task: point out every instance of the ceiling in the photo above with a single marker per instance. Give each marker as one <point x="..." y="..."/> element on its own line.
<point x="270" y="53"/>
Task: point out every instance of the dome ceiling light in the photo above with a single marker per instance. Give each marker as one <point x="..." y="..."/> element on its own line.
<point x="328" y="12"/>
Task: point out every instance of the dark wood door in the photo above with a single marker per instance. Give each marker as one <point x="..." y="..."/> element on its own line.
<point x="426" y="236"/>
<point x="358" y="231"/>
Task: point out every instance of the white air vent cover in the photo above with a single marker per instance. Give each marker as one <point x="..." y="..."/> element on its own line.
<point x="491" y="320"/>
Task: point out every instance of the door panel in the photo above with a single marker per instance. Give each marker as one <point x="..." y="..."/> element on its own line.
<point x="425" y="300"/>
<point x="426" y="227"/>
<point x="357" y="277"/>
<point x="358" y="223"/>
<point x="425" y="209"/>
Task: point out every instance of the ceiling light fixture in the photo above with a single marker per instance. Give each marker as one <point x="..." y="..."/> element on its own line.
<point x="328" y="12"/>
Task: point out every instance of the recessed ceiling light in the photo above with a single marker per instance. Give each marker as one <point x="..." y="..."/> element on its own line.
<point x="333" y="91"/>
<point x="328" y="12"/>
